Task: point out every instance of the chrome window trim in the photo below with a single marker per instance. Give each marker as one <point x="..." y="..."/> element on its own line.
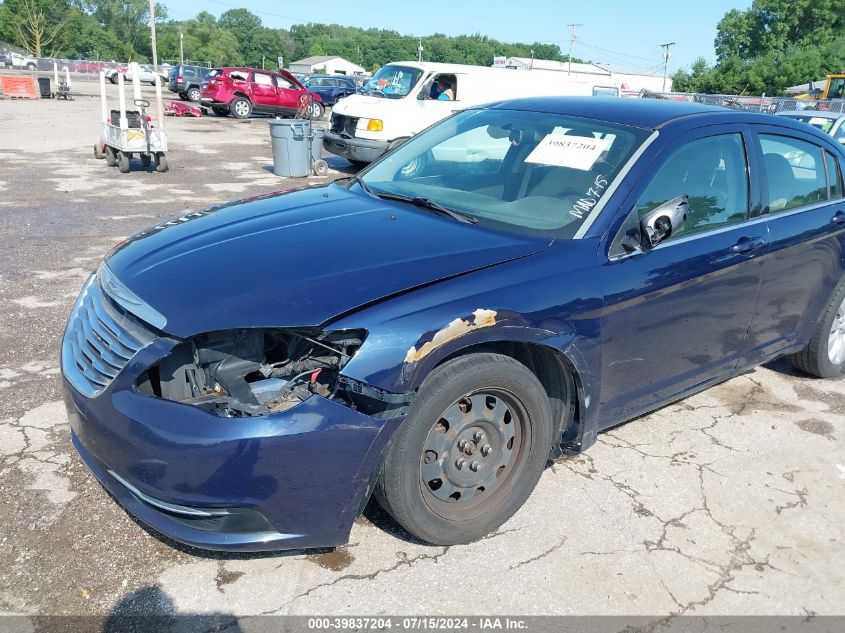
<point x="611" y="190"/>
<point x="729" y="227"/>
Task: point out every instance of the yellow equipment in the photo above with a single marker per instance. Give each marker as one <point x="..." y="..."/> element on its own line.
<point x="834" y="88"/>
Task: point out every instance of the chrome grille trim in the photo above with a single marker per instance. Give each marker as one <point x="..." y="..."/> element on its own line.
<point x="100" y="339"/>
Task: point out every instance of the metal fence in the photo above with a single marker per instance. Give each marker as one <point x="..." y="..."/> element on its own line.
<point x="760" y="103"/>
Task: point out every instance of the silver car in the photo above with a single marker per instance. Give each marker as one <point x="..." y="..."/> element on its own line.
<point x="832" y="123"/>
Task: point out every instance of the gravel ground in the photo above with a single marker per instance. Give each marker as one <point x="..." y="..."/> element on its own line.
<point x="730" y="502"/>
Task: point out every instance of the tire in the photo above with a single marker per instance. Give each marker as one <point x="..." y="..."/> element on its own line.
<point x="321" y="167"/>
<point x="111" y="157"/>
<point x="98" y="151"/>
<point x="161" y="162"/>
<point x="220" y="111"/>
<point x="31" y="66"/>
<point x="483" y="466"/>
<point x="241" y="108"/>
<point x="194" y="94"/>
<point x="183" y="96"/>
<point x="316" y="111"/>
<point x="123" y="162"/>
<point x="824" y="355"/>
<point x="113" y="79"/>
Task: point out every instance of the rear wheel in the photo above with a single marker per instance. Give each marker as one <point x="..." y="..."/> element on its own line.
<point x="111" y="156"/>
<point x="194" y="94"/>
<point x="98" y="151"/>
<point x="824" y="355"/>
<point x="316" y="110"/>
<point x="113" y="78"/>
<point x="161" y="162"/>
<point x="241" y="108"/>
<point x="470" y="452"/>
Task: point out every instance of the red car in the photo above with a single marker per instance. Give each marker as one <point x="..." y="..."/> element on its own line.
<point x="243" y="91"/>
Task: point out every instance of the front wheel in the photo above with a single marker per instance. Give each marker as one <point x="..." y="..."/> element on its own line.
<point x="113" y="79"/>
<point x="30" y="66"/>
<point x="111" y="156"/>
<point x="824" y="355"/>
<point x="470" y="452"/>
<point x="241" y="108"/>
<point x="123" y="162"/>
<point x="194" y="95"/>
<point x="161" y="162"/>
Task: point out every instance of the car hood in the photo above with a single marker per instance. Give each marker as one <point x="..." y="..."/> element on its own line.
<point x="298" y="258"/>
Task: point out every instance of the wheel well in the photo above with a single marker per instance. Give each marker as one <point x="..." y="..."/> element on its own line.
<point x="243" y="95"/>
<point x="555" y="372"/>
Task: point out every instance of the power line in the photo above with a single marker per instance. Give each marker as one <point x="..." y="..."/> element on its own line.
<point x="619" y="54"/>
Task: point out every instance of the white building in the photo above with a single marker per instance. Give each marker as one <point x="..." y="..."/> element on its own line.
<point x="327" y="64"/>
<point x="626" y="78"/>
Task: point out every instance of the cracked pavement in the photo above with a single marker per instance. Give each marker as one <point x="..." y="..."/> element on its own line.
<point x="729" y="502"/>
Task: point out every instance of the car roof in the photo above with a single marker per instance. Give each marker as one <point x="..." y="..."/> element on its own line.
<point x="651" y="114"/>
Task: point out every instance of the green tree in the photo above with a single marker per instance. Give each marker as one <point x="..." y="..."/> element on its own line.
<point x="36" y="25"/>
<point x="774" y="25"/>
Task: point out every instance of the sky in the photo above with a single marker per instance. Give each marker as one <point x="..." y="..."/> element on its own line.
<point x="613" y="31"/>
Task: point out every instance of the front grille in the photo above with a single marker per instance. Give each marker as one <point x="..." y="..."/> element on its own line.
<point x="344" y="125"/>
<point x="101" y="337"/>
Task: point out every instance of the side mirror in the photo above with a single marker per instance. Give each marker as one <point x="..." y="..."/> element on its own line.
<point x="663" y="221"/>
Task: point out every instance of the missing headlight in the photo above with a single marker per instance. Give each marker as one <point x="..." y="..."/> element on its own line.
<point x="238" y="373"/>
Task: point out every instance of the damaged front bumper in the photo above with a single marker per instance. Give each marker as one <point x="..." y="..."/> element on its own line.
<point x="288" y="480"/>
<point x="360" y="149"/>
<point x="178" y="434"/>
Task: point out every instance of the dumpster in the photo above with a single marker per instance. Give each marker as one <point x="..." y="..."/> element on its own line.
<point x="291" y="150"/>
<point x="44" y="88"/>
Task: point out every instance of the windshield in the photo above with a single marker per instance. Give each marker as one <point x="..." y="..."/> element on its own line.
<point x="392" y="82"/>
<point x="530" y="171"/>
<point x="821" y="122"/>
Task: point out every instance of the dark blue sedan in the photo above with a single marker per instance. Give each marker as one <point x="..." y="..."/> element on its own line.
<point x="491" y="294"/>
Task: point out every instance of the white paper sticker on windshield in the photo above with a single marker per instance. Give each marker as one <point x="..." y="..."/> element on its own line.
<point x="576" y="152"/>
<point x="818" y="120"/>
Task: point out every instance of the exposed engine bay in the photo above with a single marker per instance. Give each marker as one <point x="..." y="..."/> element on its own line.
<point x="251" y="372"/>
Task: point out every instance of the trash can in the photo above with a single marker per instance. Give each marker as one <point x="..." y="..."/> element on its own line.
<point x="291" y="153"/>
<point x="44" y="87"/>
<point x="317" y="135"/>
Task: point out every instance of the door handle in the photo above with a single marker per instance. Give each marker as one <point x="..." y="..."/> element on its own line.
<point x="838" y="218"/>
<point x="746" y="244"/>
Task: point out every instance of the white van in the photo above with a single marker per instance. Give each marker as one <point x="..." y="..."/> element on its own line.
<point x="401" y="99"/>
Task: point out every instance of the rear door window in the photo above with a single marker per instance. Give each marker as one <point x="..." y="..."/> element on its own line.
<point x="795" y="172"/>
<point x="262" y="79"/>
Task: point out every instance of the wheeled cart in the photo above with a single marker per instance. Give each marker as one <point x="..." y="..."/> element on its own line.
<point x="125" y="135"/>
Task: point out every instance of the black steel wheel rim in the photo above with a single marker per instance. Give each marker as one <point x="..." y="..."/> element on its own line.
<point x="473" y="453"/>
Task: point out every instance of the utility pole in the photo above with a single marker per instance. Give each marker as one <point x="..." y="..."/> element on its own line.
<point x="572" y="37"/>
<point x="181" y="47"/>
<point x="153" y="34"/>
<point x="666" y="57"/>
<point x="420" y="51"/>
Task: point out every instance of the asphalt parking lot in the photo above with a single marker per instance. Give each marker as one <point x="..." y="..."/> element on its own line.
<point x="730" y="502"/>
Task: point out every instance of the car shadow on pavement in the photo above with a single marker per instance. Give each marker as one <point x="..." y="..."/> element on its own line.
<point x="150" y="610"/>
